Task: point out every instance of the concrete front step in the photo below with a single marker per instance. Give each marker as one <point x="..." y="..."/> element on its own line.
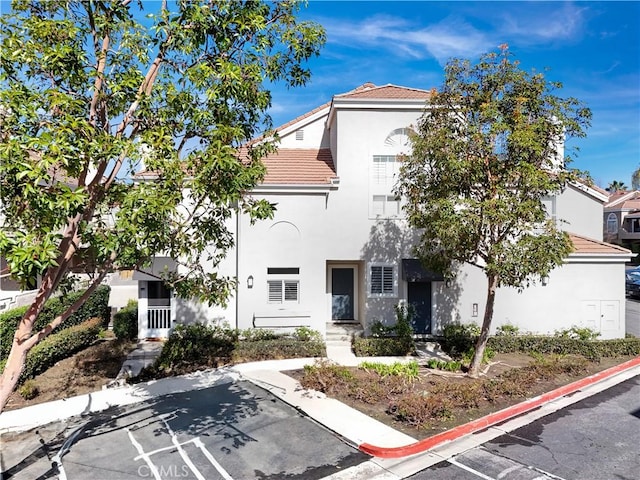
<point x="343" y="332"/>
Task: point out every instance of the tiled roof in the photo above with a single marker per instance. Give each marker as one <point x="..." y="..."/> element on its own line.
<point x="389" y="91"/>
<point x="623" y="200"/>
<point x="587" y="245"/>
<point x="291" y="166"/>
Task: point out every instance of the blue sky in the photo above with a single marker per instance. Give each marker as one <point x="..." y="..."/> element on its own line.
<point x="593" y="48"/>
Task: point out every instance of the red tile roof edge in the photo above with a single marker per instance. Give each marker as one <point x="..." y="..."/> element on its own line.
<point x="602" y="247"/>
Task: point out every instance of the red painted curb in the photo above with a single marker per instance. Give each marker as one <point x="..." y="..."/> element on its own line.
<point x="494" y="418"/>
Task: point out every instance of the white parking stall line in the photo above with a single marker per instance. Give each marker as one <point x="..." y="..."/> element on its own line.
<point x="145" y="456"/>
<point x="197" y="442"/>
<point x="469" y="469"/>
<point x="176" y="444"/>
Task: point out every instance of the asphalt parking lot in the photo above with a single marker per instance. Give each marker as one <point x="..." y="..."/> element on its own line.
<point x="230" y="431"/>
<point x="596" y="438"/>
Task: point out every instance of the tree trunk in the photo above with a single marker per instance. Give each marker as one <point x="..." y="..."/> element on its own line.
<point x="23" y="341"/>
<point x="476" y="361"/>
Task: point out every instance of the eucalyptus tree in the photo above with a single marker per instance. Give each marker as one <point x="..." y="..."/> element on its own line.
<point x="487" y="149"/>
<point x="94" y="91"/>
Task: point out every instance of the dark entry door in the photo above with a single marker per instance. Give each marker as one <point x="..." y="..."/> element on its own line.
<point x="342" y="293"/>
<point x="419" y="296"/>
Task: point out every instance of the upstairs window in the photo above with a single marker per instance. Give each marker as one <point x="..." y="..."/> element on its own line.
<point x="383" y="175"/>
<point x="612" y="223"/>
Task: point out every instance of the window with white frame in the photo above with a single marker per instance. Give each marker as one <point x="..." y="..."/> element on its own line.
<point x="612" y="223"/>
<point x="383" y="176"/>
<point x="383" y="280"/>
<point x="283" y="285"/>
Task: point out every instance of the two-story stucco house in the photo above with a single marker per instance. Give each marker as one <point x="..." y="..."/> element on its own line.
<point x="622" y="219"/>
<point x="339" y="250"/>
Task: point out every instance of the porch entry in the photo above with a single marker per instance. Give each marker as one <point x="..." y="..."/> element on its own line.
<point x="419" y="293"/>
<point x="342" y="285"/>
<point x="419" y="297"/>
<point x="158" y="319"/>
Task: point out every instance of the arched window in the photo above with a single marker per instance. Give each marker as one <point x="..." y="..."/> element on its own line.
<point x="612" y="223"/>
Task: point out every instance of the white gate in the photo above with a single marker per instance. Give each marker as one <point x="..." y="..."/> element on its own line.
<point x="158" y="322"/>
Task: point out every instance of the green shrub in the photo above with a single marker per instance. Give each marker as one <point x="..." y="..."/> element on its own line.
<point x="196" y="345"/>
<point x="125" y="322"/>
<point x="591" y="349"/>
<point x="407" y="370"/>
<point x="578" y="333"/>
<point x="277" y="348"/>
<point x="383" y="347"/>
<point x="508" y="329"/>
<point x="459" y="338"/>
<point x="97" y="305"/>
<point x="257" y="334"/>
<point x="29" y="390"/>
<point x="60" y="345"/>
<point x="306" y="334"/>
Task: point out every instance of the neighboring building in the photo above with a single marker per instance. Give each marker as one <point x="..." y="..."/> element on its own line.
<point x="622" y="220"/>
<point x="338" y="249"/>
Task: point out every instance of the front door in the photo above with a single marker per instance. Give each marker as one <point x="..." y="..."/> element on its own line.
<point x="419" y="297"/>
<point x="342" y="293"/>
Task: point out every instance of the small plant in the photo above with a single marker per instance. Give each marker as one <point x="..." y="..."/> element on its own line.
<point x="306" y="334"/>
<point x="578" y="333"/>
<point x="449" y="366"/>
<point x="408" y="370"/>
<point x="380" y="330"/>
<point x="508" y="329"/>
<point x="29" y="390"/>
<point x="488" y="354"/>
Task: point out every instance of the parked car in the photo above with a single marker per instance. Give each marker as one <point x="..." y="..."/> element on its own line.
<point x="632" y="282"/>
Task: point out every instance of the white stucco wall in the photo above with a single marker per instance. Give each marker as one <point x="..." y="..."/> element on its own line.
<point x="572" y="293"/>
<point x="582" y="212"/>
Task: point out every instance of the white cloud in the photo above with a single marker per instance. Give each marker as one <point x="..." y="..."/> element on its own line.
<point x="449" y="38"/>
<point x="532" y="24"/>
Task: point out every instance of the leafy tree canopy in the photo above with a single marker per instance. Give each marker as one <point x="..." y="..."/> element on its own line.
<point x="486" y="153"/>
<point x="92" y="92"/>
<point x="616" y="186"/>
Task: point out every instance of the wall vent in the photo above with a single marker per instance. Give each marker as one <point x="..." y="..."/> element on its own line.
<point x="300" y="134"/>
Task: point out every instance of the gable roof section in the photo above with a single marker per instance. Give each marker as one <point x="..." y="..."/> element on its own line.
<point x="588" y="246"/>
<point x="623" y="201"/>
<point x="386" y="92"/>
<point x="302" y="117"/>
<point x="291" y="166"/>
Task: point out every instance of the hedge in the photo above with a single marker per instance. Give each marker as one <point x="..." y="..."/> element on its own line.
<point x="97" y="305"/>
<point x="591" y="349"/>
<point x="125" y="322"/>
<point x="58" y="346"/>
<point x="277" y="348"/>
<point x="383" y="347"/>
